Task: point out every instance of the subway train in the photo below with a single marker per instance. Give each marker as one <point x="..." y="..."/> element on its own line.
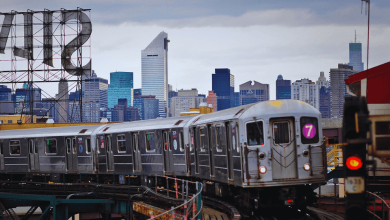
<point x="262" y="154"/>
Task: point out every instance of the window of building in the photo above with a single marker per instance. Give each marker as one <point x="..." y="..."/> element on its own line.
<point x="9" y="121"/>
<point x="281" y="132"/>
<point x="51" y="146"/>
<point x="255" y="133"/>
<point x="121" y="142"/>
<point x="150" y="141"/>
<point x="14" y="147"/>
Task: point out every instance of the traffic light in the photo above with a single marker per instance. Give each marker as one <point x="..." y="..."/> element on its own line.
<point x="355" y="128"/>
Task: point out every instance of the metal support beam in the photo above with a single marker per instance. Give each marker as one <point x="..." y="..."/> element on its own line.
<point x="149" y="210"/>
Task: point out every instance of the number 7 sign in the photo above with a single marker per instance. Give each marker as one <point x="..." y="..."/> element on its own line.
<point x="309" y="131"/>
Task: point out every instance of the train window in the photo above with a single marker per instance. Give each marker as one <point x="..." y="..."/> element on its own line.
<point x="191" y="132"/>
<point x="68" y="146"/>
<point x="88" y="145"/>
<point x="170" y="140"/>
<point x="281" y="132"/>
<point x="181" y="140"/>
<point x="255" y="134"/>
<point x="108" y="142"/>
<point x="1" y="148"/>
<point x="135" y="142"/>
<point x="14" y="147"/>
<point x="150" y="141"/>
<point x="309" y="130"/>
<point x="51" y="146"/>
<point x="218" y="136"/>
<point x="202" y="140"/>
<point x="166" y="141"/>
<point x="31" y="146"/>
<point x="74" y="145"/>
<point x="121" y="141"/>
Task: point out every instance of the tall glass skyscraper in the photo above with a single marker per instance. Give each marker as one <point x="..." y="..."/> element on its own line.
<point x="154" y="67"/>
<point x="338" y="88"/>
<point x="355" y="56"/>
<point x="223" y="86"/>
<point x="121" y="84"/>
<point x="283" y="88"/>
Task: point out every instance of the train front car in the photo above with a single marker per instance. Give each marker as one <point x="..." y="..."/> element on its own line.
<point x="282" y="153"/>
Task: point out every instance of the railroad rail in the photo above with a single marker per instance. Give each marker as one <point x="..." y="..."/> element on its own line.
<point x="324" y="215"/>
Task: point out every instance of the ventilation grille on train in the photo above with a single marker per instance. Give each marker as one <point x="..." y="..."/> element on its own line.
<point x="178" y="122"/>
<point x="83" y="131"/>
<point x="239" y="112"/>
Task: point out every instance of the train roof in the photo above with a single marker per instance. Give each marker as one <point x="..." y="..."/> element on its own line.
<point x="49" y="132"/>
<point x="266" y="109"/>
<point x="151" y="124"/>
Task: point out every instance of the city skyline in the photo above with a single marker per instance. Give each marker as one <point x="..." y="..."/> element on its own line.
<point x="296" y="40"/>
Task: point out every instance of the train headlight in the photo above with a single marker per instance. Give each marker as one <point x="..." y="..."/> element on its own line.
<point x="305" y="153"/>
<point x="306" y="166"/>
<point x="263" y="169"/>
<point x="262" y="155"/>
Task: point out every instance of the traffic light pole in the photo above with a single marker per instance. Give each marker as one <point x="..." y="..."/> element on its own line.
<point x="355" y="128"/>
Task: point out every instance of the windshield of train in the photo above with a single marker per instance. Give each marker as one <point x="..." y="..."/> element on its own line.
<point x="254" y="133"/>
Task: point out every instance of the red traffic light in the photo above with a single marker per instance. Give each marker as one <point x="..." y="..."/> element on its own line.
<point x="354" y="163"/>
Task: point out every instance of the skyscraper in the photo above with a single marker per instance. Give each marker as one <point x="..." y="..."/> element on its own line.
<point x="212" y="100"/>
<point x="185" y="100"/>
<point x="322" y="81"/>
<point x="307" y="91"/>
<point x="95" y="88"/>
<point x="251" y="93"/>
<point x="223" y="86"/>
<point x="355" y="56"/>
<point x="338" y="88"/>
<point x="325" y="103"/>
<point x="283" y="88"/>
<point x="63" y="100"/>
<point x="6" y="105"/>
<point x="154" y="68"/>
<point x="121" y="84"/>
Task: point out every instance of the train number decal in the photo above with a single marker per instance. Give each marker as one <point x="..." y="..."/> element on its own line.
<point x="309" y="131"/>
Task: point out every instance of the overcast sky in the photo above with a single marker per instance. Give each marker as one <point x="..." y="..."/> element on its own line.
<point x="255" y="39"/>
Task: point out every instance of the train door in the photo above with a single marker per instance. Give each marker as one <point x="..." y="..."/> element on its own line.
<point x="230" y="142"/>
<point x="33" y="155"/>
<point x="195" y="146"/>
<point x="168" y="155"/>
<point x="283" y="145"/>
<point x="137" y="163"/>
<point x="109" y="154"/>
<point x="1" y="156"/>
<point x="211" y="142"/>
<point x="71" y="154"/>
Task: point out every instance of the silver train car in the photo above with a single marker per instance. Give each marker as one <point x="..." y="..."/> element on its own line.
<point x="261" y="154"/>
